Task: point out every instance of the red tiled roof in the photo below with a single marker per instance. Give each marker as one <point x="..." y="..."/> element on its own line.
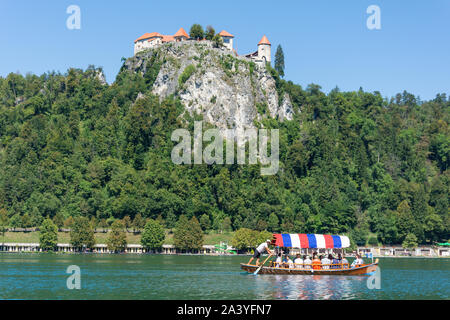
<point x="181" y="33"/>
<point x="148" y="36"/>
<point x="168" y="38"/>
<point x="264" y="40"/>
<point x="223" y="33"/>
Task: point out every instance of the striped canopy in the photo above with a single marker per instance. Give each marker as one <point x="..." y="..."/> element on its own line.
<point x="303" y="240"/>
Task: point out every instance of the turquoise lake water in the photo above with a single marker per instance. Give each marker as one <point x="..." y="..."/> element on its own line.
<point x="43" y="276"/>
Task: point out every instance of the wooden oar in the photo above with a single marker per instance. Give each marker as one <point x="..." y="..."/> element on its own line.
<point x="257" y="270"/>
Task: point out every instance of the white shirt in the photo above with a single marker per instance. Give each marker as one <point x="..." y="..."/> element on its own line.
<point x="278" y="261"/>
<point x="298" y="263"/>
<point x="307" y="263"/>
<point x="291" y="264"/>
<point x="325" y="261"/>
<point x="262" y="247"/>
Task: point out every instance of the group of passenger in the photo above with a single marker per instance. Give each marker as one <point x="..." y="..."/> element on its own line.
<point x="318" y="262"/>
<point x="322" y="262"/>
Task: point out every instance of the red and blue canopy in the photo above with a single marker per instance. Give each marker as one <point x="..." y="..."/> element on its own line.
<point x="303" y="240"/>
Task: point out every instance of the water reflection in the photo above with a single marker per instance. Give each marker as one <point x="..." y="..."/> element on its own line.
<point x="307" y="287"/>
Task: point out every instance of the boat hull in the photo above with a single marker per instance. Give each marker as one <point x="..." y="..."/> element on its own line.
<point x="364" y="270"/>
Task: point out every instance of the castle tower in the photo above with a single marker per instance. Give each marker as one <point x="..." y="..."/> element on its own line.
<point x="264" y="52"/>
<point x="227" y="39"/>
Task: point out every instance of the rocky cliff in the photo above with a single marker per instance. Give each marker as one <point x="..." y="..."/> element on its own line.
<point x="229" y="91"/>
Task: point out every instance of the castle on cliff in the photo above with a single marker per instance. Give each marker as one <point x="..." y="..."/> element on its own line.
<point x="155" y="39"/>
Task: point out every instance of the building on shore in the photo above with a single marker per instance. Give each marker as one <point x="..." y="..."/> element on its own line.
<point x="102" y="248"/>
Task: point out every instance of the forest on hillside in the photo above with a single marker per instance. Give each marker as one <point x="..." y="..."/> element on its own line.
<point x="351" y="163"/>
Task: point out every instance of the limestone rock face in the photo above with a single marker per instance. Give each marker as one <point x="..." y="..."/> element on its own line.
<point x="229" y="91"/>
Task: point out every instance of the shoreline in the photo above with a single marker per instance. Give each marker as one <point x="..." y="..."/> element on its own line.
<point x="196" y="254"/>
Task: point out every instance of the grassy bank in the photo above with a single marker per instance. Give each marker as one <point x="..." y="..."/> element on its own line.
<point x="64" y="237"/>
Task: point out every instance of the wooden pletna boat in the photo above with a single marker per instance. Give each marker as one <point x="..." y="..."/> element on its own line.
<point x="315" y="241"/>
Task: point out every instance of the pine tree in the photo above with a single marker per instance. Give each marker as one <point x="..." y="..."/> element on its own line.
<point x="279" y="61"/>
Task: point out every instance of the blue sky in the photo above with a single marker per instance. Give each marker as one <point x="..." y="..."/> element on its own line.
<point x="324" y="41"/>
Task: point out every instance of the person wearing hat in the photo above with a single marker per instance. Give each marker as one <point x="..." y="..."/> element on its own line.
<point x="259" y="250"/>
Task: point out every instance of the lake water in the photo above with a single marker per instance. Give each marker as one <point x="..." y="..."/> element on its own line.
<point x="43" y="276"/>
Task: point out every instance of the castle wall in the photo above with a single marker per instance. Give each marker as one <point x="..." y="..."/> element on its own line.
<point x="264" y="52"/>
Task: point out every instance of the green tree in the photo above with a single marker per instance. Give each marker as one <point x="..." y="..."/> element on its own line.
<point x="127" y="222"/>
<point x="217" y="41"/>
<point x="279" y="61"/>
<point x="4" y="221"/>
<point x="209" y="33"/>
<point x="205" y="222"/>
<point x="68" y="223"/>
<point x="15" y="221"/>
<point x="58" y="220"/>
<point x="188" y="234"/>
<point x="138" y="222"/>
<point x="117" y="238"/>
<point x="103" y="225"/>
<point x="196" y="32"/>
<point x="274" y="223"/>
<point x="226" y="224"/>
<point x="82" y="234"/>
<point x="410" y="241"/>
<point x="153" y="236"/>
<point x="48" y="235"/>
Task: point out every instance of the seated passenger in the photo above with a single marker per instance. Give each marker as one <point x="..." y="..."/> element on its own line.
<point x="306" y="262"/>
<point x="298" y="262"/>
<point x="336" y="262"/>
<point x="326" y="263"/>
<point x="278" y="261"/>
<point x="316" y="263"/>
<point x="344" y="262"/>
<point x="290" y="263"/>
<point x="358" y="261"/>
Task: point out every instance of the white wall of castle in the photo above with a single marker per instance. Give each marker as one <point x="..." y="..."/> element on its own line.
<point x="228" y="43"/>
<point x="145" y="44"/>
<point x="264" y="52"/>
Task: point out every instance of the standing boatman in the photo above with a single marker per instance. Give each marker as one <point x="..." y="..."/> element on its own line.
<point x="259" y="250"/>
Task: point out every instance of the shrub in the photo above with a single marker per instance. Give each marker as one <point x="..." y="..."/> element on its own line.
<point x="187" y="73"/>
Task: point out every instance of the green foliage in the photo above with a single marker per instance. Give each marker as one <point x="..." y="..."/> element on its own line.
<point x="350" y="162"/>
<point x="4" y="221"/>
<point x="279" y="61"/>
<point x="373" y="241"/>
<point x="410" y="241"/>
<point x="117" y="238"/>
<point x="82" y="234"/>
<point x="153" y="235"/>
<point x="273" y="223"/>
<point x="244" y="239"/>
<point x="209" y="33"/>
<point x="48" y="235"/>
<point x="188" y="234"/>
<point x="187" y="73"/>
<point x="217" y="41"/>
<point x="152" y="69"/>
<point x="262" y="108"/>
<point x="205" y="222"/>
<point x="196" y="32"/>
